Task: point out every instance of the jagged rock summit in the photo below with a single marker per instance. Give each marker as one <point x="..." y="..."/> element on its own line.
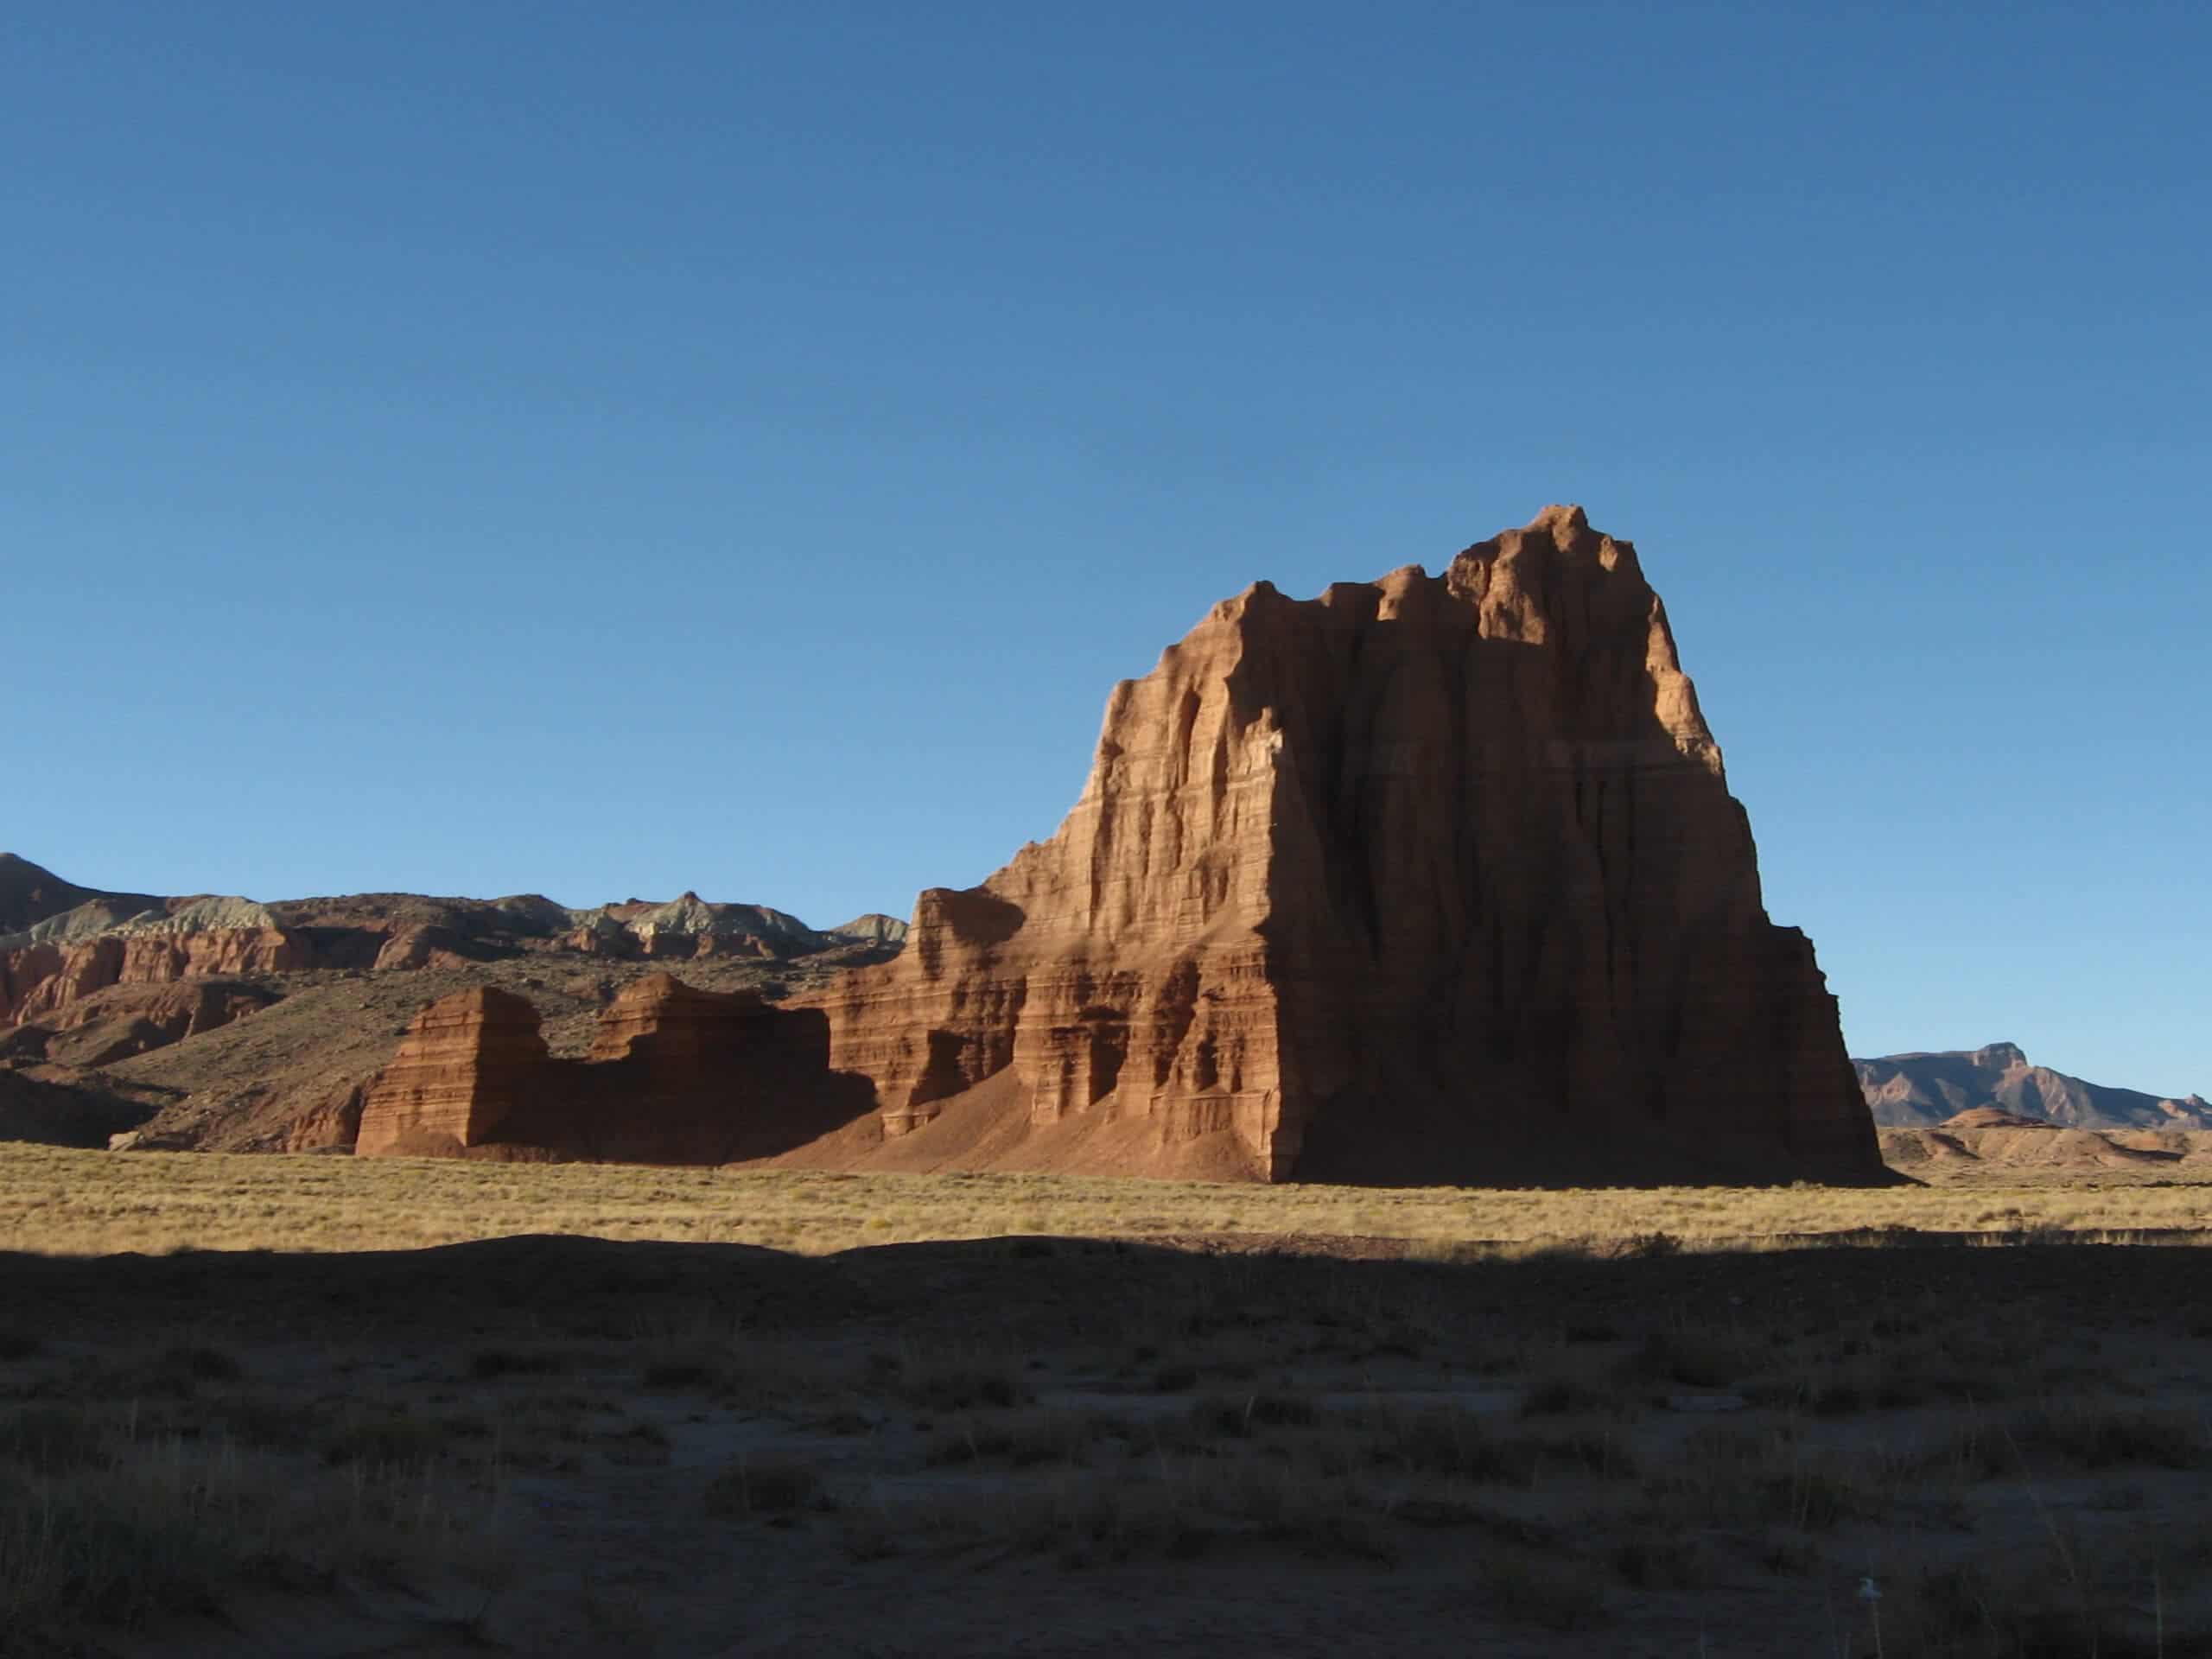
<point x="1429" y="879"/>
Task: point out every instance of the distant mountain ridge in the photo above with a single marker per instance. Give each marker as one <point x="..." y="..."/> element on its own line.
<point x="1920" y="1090"/>
<point x="62" y="943"/>
<point x="29" y="894"/>
<point x="37" y="906"/>
<point x="229" y="1022"/>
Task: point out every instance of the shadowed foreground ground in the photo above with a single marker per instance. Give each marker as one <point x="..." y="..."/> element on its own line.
<point x="1027" y="1446"/>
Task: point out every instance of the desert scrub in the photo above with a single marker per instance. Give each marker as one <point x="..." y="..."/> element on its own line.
<point x="179" y="1371"/>
<point x="172" y="1527"/>
<point x="1748" y="1478"/>
<point x="49" y="1439"/>
<point x="2127" y="1594"/>
<point x="2077" y="1434"/>
<point x="1028" y="1438"/>
<point x="957" y="1382"/>
<point x="154" y="1203"/>
<point x="1530" y="1588"/>
<point x="1145" y="1511"/>
<point x="489" y="1364"/>
<point x="1560" y="1395"/>
<point x="772" y="1486"/>
<point x="1695" y="1355"/>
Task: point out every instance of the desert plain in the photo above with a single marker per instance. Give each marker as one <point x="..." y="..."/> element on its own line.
<point x="429" y="1406"/>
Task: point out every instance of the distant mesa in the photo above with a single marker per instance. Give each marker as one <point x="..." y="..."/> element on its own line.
<point x="1949" y="1087"/>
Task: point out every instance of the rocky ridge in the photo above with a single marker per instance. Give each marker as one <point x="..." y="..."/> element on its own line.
<point x="1920" y="1090"/>
<point x="121" y="999"/>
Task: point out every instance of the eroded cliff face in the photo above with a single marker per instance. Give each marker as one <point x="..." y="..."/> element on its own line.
<point x="124" y="939"/>
<point x="675" y="1075"/>
<point x="1428" y="879"/>
<point x="37" y="981"/>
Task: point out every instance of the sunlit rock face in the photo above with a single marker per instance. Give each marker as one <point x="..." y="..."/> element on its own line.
<point x="1429" y="879"/>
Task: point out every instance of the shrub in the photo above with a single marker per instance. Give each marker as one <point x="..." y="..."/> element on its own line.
<point x="49" y="1438"/>
<point x="767" y="1487"/>
<point x="487" y="1364"/>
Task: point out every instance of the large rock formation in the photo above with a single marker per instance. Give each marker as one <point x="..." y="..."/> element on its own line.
<point x="1431" y="879"/>
<point x="1919" y="1089"/>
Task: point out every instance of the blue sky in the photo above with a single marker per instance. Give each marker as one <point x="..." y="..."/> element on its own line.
<point x="612" y="450"/>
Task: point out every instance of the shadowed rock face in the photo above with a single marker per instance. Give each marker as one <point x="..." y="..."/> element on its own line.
<point x="1433" y="879"/>
<point x="675" y="1076"/>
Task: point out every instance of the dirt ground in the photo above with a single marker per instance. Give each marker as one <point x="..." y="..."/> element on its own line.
<point x="1055" y="1446"/>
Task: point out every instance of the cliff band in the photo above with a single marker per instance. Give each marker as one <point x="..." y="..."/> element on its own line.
<point x="1433" y="879"/>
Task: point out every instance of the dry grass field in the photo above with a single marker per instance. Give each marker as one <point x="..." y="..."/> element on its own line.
<point x="244" y="1411"/>
<point x="69" y="1201"/>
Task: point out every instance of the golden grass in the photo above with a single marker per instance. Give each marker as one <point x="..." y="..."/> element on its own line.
<point x="66" y="1202"/>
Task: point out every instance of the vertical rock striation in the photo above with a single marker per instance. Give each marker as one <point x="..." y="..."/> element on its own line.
<point x="1430" y="879"/>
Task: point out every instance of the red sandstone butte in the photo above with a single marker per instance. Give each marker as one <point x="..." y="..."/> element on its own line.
<point x="1427" y="879"/>
<point x="1430" y="879"/>
<point x="465" y="1063"/>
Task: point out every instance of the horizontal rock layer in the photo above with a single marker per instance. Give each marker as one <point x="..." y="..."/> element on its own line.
<point x="674" y="1075"/>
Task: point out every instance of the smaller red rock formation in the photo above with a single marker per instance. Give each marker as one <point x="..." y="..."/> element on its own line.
<point x="468" y="1062"/>
<point x="674" y="1076"/>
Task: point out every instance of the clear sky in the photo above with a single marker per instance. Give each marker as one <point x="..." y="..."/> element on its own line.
<point x="605" y="450"/>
